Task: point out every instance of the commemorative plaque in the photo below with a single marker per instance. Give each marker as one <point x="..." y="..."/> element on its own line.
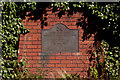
<point x="60" y="39"/>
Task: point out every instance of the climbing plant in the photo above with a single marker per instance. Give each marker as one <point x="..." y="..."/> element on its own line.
<point x="12" y="27"/>
<point x="109" y="16"/>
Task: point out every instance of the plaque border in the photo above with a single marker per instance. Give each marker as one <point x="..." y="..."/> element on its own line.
<point x="53" y="27"/>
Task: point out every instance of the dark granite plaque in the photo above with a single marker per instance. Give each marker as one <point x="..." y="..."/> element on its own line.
<point x="60" y="39"/>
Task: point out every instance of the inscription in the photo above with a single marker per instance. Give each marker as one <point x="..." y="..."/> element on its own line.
<point x="60" y="39"/>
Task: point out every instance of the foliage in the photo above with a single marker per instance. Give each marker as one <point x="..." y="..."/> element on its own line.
<point x="109" y="14"/>
<point x="12" y="27"/>
<point x="36" y="75"/>
<point x="106" y="61"/>
<point x="65" y="76"/>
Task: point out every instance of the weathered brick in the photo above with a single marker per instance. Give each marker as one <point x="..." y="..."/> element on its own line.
<point x="54" y="61"/>
<point x="72" y="57"/>
<point x="33" y="31"/>
<point x="36" y="57"/>
<point x="65" y="61"/>
<point x="66" y="69"/>
<point x="28" y="57"/>
<point x="49" y="65"/>
<point x="36" y="50"/>
<point x="33" y="69"/>
<point x="71" y="65"/>
<point x="32" y="61"/>
<point x="60" y="57"/>
<point x="60" y="65"/>
<point x="37" y="65"/>
<point x="76" y="69"/>
<point x="32" y="54"/>
<point x="36" y="42"/>
<point x="32" y="23"/>
<point x="32" y="46"/>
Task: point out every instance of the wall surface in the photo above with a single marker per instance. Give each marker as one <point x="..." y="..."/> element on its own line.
<point x="30" y="46"/>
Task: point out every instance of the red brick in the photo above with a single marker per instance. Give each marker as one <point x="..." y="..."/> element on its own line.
<point x="77" y="15"/>
<point x="36" y="57"/>
<point x="36" y="42"/>
<point x="71" y="65"/>
<point x="32" y="61"/>
<point x="39" y="31"/>
<point x="28" y="57"/>
<point x="52" y="57"/>
<point x="86" y="61"/>
<point x="66" y="69"/>
<point x="36" y="27"/>
<point x="19" y="57"/>
<point x="63" y="54"/>
<point x="57" y="54"/>
<point x="66" y="61"/>
<point x="52" y="16"/>
<point x="32" y="69"/>
<point x="49" y="65"/>
<point x="60" y="65"/>
<point x="32" y="38"/>
<point x="46" y="69"/>
<point x="24" y="20"/>
<point x="32" y="54"/>
<point x="39" y="46"/>
<point x="55" y="69"/>
<point x="33" y="31"/>
<point x="25" y="42"/>
<point x="36" y="50"/>
<point x="29" y="27"/>
<point x="49" y="12"/>
<point x="72" y="27"/>
<point x="28" y="35"/>
<point x="27" y="50"/>
<point x="37" y="35"/>
<point x="91" y="42"/>
<point x="52" y="19"/>
<point x="54" y="61"/>
<point x="32" y="23"/>
<point x="39" y="39"/>
<point x="20" y="46"/>
<point x="72" y="57"/>
<point x="28" y="42"/>
<point x="22" y="38"/>
<point x="84" y="42"/>
<point x="52" y="23"/>
<point x="20" y="52"/>
<point x="77" y="61"/>
<point x="76" y="69"/>
<point x="36" y="65"/>
<point x="76" y="54"/>
<point x="84" y="50"/>
<point x="81" y="65"/>
<point x="60" y="57"/>
<point x="32" y="46"/>
<point x="84" y="57"/>
<point x="85" y="46"/>
<point x="80" y="46"/>
<point x="48" y="27"/>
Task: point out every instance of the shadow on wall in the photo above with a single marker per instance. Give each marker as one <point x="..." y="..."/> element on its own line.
<point x="89" y="23"/>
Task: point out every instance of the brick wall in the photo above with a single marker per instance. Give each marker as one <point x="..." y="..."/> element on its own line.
<point x="30" y="46"/>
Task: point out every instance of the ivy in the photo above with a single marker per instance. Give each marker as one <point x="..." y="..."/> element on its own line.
<point x="12" y="27"/>
<point x="109" y="13"/>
